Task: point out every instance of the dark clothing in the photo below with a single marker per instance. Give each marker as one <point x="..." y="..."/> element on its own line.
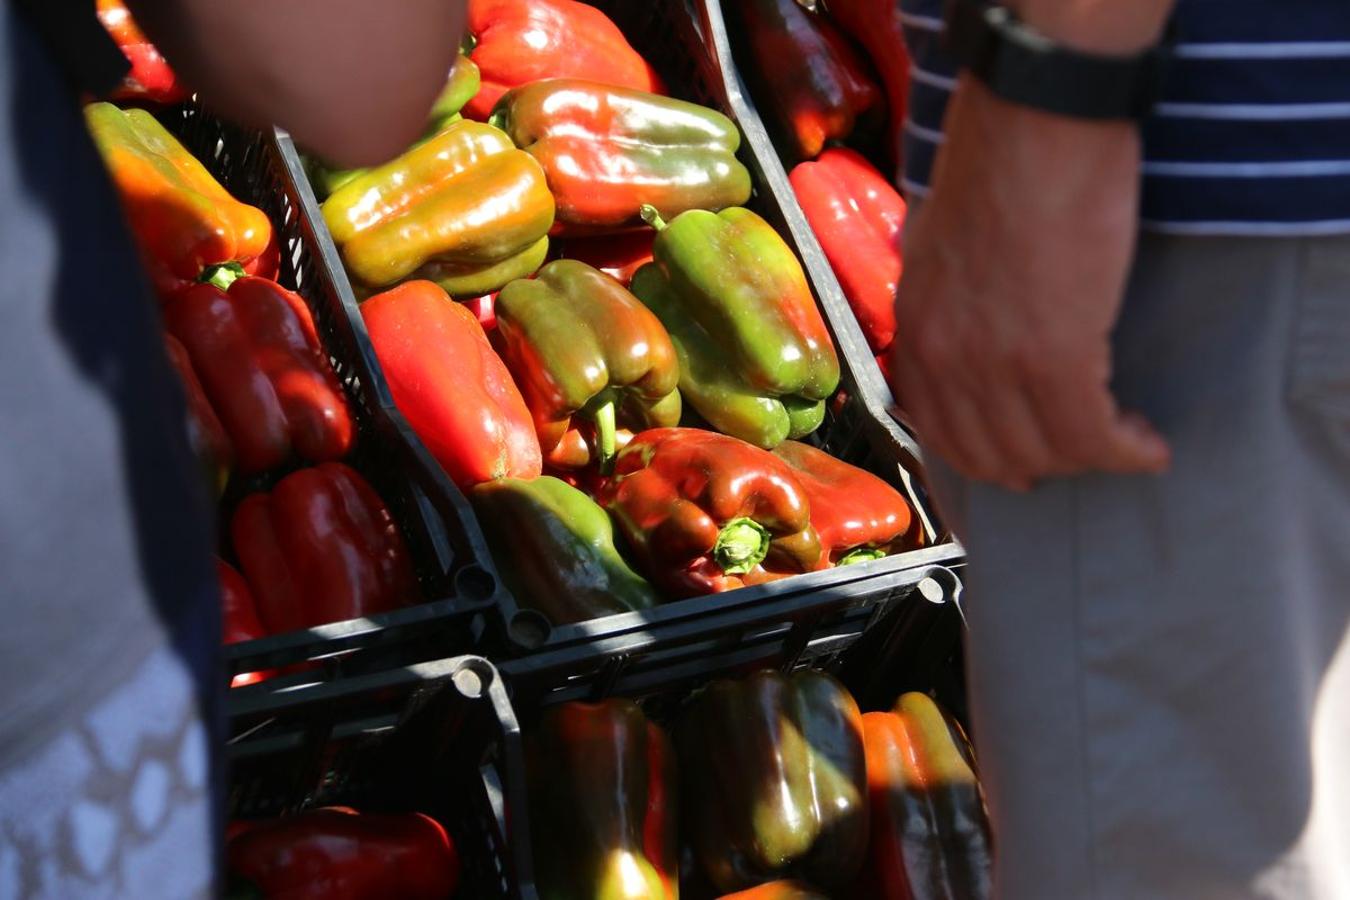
<point x="105" y="522"/>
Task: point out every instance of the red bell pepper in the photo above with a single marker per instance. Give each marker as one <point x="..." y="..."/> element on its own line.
<point x="454" y="390"/>
<point x="814" y="84"/>
<point x="150" y="79"/>
<point x="240" y="620"/>
<point x="618" y="255"/>
<point x="258" y="355"/>
<point x="336" y="853"/>
<point x="484" y="309"/>
<point x="704" y="512"/>
<point x="857" y="516"/>
<point x="519" y="41"/>
<point x="205" y="433"/>
<point x="858" y="217"/>
<point x="875" y="24"/>
<point x="321" y="547"/>
<point x="778" y="890"/>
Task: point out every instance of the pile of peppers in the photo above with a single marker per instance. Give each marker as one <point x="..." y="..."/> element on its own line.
<point x="769" y="787"/>
<point x="307" y="539"/>
<point x="618" y="362"/>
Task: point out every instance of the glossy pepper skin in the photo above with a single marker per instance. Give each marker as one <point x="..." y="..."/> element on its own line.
<point x="858" y="516"/>
<point x="602" y="782"/>
<point x="705" y="513"/>
<point x="520" y="41"/>
<point x="150" y="79"/>
<point x="181" y="217"/>
<point x="773" y="783"/>
<point x="814" y="84"/>
<point x="587" y="356"/>
<point x="453" y="389"/>
<point x="876" y="25"/>
<point x="756" y="359"/>
<point x="205" y="432"/>
<point x="778" y="890"/>
<point x="555" y="548"/>
<point x="255" y="348"/>
<point x="608" y="150"/>
<point x="617" y="255"/>
<point x="858" y="218"/>
<point x="930" y="835"/>
<point x="321" y="547"/>
<point x="459" y="87"/>
<point x="336" y="853"/>
<point x="239" y="616"/>
<point x="465" y="209"/>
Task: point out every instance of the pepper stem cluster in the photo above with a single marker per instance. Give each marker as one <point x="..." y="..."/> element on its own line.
<point x="741" y="545"/>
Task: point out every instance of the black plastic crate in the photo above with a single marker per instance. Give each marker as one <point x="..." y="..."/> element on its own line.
<point x="877" y="650"/>
<point x="879" y="641"/>
<point x="438" y="738"/>
<point x="858" y="430"/>
<point x="456" y="573"/>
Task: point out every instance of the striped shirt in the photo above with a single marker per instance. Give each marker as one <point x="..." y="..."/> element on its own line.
<point x="1251" y="135"/>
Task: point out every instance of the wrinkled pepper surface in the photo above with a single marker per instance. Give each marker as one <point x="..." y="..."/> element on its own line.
<point x="587" y="356"/>
<point x="858" y="516"/>
<point x="459" y="87"/>
<point x="336" y="853"/>
<point x="465" y="209"/>
<point x="858" y="217"/>
<point x="608" y="150"/>
<point x="705" y="513"/>
<point x="617" y="255"/>
<point x="520" y="41"/>
<point x="205" y="432"/>
<point x="814" y="84"/>
<point x="756" y="360"/>
<point x="453" y="389"/>
<point x="930" y="834"/>
<point x="602" y="782"/>
<point x="773" y="782"/>
<point x="555" y="548"/>
<point x="876" y="25"/>
<point x="321" y="547"/>
<point x="181" y="217"/>
<point x="239" y="616"/>
<point x="778" y="890"/>
<point x="255" y="348"/>
<point x="150" y="79"/>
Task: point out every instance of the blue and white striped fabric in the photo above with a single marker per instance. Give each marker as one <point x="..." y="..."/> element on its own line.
<point x="1251" y="136"/>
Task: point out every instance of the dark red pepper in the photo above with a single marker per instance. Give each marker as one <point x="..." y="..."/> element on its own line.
<point x="205" y="433"/>
<point x="240" y="620"/>
<point x="257" y="353"/>
<point x="336" y="853"/>
<point x="321" y="547"/>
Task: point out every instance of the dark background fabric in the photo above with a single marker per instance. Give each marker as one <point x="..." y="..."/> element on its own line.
<point x="105" y="521"/>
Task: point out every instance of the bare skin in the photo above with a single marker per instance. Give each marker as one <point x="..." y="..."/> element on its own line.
<point x="1015" y="268"/>
<point x="350" y="79"/>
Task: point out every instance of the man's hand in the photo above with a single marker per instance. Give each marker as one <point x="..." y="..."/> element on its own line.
<point x="1015" y="267"/>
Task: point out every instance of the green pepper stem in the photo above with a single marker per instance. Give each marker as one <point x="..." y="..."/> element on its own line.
<point x="606" y="444"/>
<point x="741" y="545"/>
<point x="222" y="275"/>
<point x="861" y="555"/>
<point x="652" y="216"/>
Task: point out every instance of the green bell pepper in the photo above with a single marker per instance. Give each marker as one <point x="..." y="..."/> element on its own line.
<point x="756" y="360"/>
<point x="554" y="547"/>
<point x="582" y="347"/>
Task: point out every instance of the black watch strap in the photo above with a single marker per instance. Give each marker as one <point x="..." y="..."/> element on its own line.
<point x="1023" y="66"/>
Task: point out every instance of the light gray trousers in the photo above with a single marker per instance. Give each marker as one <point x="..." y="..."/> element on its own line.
<point x="1159" y="667"/>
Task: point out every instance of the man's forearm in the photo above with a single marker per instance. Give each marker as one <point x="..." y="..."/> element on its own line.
<point x="1097" y="26"/>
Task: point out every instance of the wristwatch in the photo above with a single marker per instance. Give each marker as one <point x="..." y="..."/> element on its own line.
<point x="1024" y="66"/>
